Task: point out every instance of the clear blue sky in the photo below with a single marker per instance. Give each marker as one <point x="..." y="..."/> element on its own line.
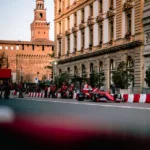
<point x="16" y="17"/>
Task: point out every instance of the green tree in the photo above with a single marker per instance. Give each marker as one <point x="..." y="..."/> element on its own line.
<point x="147" y="78"/>
<point x="97" y="79"/>
<point x="64" y="77"/>
<point x="122" y="77"/>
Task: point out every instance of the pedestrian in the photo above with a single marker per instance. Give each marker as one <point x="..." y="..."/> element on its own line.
<point x="45" y="89"/>
<point x="7" y="90"/>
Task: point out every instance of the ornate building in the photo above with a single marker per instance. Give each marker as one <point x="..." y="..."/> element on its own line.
<point x="146" y="23"/>
<point x="28" y="59"/>
<point x="98" y="35"/>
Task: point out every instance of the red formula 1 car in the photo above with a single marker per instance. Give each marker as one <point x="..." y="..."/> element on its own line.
<point x="98" y="96"/>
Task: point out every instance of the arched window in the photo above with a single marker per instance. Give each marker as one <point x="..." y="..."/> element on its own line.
<point x="75" y="70"/>
<point x="68" y="70"/>
<point x="130" y="68"/>
<point x="60" y="71"/>
<point x="112" y="68"/>
<point x="40" y="15"/>
<point x="130" y="62"/>
<point x="100" y="66"/>
<point x="91" y="68"/>
<point x="83" y="71"/>
<point x="112" y="64"/>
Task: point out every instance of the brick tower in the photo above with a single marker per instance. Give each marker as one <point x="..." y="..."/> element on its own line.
<point x="40" y="26"/>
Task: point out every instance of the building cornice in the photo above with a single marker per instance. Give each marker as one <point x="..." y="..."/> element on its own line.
<point x="102" y="52"/>
<point x="46" y="42"/>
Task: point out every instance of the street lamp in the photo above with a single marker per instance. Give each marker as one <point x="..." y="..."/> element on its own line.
<point x="54" y="64"/>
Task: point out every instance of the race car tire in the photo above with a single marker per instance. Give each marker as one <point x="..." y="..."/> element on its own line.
<point x="94" y="98"/>
<point x="80" y="99"/>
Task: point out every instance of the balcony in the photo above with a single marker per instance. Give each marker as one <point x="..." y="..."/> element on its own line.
<point x="127" y="7"/>
<point x="82" y="25"/>
<point x="75" y="28"/>
<point x="90" y="21"/>
<point x="67" y="32"/>
<point x="99" y="19"/>
<point x="110" y="15"/>
<point x="59" y="36"/>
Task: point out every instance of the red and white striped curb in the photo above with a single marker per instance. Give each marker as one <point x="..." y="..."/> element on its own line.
<point x="40" y="95"/>
<point x="136" y="98"/>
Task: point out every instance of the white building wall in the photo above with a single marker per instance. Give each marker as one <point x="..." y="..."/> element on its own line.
<point x="95" y="31"/>
<point x="115" y="4"/>
<point x="86" y="13"/>
<point x="79" y="40"/>
<point x="133" y="21"/>
<point x="71" y="43"/>
<point x="71" y="2"/>
<point x="105" y="6"/>
<point x="66" y="45"/>
<point x="105" y="31"/>
<point x="71" y="21"/>
<point x="66" y="22"/>
<point x="115" y="28"/>
<point x="86" y="45"/>
<point x="123" y="24"/>
<point x="78" y="17"/>
<point x="95" y="9"/>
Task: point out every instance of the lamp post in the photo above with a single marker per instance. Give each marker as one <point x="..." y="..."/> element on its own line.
<point x="54" y="64"/>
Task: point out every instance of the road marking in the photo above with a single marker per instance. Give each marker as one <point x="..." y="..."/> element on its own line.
<point x="91" y="104"/>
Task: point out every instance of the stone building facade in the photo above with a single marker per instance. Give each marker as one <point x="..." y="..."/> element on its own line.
<point x="28" y="59"/>
<point x="146" y="23"/>
<point x="98" y="35"/>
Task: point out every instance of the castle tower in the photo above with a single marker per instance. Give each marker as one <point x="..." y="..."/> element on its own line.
<point x="40" y="26"/>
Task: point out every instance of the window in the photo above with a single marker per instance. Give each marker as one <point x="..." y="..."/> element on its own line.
<point x="0" y="47"/>
<point x="42" y="47"/>
<point x="75" y="42"/>
<point x="6" y="47"/>
<point x="75" y="70"/>
<point x="12" y="48"/>
<point x="38" y="32"/>
<point x="83" y="71"/>
<point x="112" y="68"/>
<point x="91" y="10"/>
<point x="91" y="68"/>
<point x="40" y="15"/>
<point x="52" y="48"/>
<point x="60" y="71"/>
<point x="33" y="47"/>
<point x="68" y="70"/>
<point x="82" y="18"/>
<point x="68" y="22"/>
<point x="59" y="53"/>
<point x="59" y="27"/>
<point x="91" y="37"/>
<point x="100" y="6"/>
<point x="111" y="3"/>
<point x="75" y="19"/>
<point x="17" y="47"/>
<point x="129" y="23"/>
<point x="111" y="30"/>
<point x="82" y="39"/>
<point x="101" y="34"/>
<point x="100" y="66"/>
<point x="68" y="44"/>
<point x="22" y="47"/>
<point x="44" y="32"/>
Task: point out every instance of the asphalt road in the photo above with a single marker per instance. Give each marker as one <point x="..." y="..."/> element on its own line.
<point x="125" y="119"/>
